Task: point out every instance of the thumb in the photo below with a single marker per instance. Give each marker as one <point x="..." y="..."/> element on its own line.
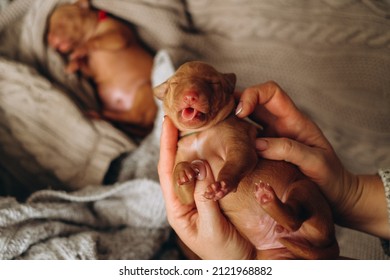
<point x="208" y="209"/>
<point x="309" y="159"/>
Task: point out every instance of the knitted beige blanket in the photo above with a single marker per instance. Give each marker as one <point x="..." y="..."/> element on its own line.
<point x="330" y="56"/>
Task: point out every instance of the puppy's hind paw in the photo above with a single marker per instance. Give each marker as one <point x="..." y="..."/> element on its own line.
<point x="264" y="193"/>
<point x="216" y="191"/>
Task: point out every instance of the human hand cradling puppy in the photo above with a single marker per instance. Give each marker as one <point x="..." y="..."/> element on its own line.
<point x="270" y="203"/>
<point x="358" y="201"/>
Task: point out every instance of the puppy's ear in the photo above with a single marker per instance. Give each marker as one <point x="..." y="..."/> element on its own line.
<point x="230" y="81"/>
<point x="84" y="4"/>
<point x="161" y="90"/>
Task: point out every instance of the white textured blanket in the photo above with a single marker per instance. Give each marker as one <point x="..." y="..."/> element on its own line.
<point x="330" y="56"/>
<point x="116" y="222"/>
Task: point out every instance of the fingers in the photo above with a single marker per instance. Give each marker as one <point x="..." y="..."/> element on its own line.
<point x="282" y="149"/>
<point x="208" y="209"/>
<point x="311" y="161"/>
<point x="269" y="95"/>
<point x="272" y="106"/>
<point x="168" y="146"/>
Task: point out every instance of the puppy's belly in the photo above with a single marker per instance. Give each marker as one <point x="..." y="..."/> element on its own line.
<point x="254" y="223"/>
<point x="260" y="229"/>
<point x="245" y="212"/>
<point x="130" y="63"/>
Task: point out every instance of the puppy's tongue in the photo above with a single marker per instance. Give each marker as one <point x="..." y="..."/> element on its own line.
<point x="189" y="113"/>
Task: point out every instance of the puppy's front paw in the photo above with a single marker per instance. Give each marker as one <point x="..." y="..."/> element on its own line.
<point x="184" y="178"/>
<point x="264" y="193"/>
<point x="186" y="175"/>
<point x="216" y="190"/>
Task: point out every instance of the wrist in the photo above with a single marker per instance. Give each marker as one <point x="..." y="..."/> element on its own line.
<point x="364" y="206"/>
<point x="346" y="195"/>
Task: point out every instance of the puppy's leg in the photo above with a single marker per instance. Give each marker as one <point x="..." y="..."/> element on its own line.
<point x="289" y="215"/>
<point x="305" y="210"/>
<point x="318" y="227"/>
<point x="184" y="177"/>
<point x="240" y="160"/>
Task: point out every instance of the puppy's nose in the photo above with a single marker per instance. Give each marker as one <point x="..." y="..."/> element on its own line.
<point x="191" y="97"/>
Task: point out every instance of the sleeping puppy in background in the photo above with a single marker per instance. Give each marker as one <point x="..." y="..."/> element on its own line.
<point x="107" y="50"/>
<point x="281" y="212"/>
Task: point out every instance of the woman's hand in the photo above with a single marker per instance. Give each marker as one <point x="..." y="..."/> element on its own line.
<point x="358" y="201"/>
<point x="201" y="226"/>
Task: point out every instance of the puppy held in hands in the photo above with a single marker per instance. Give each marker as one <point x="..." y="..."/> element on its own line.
<point x="108" y="51"/>
<point x="272" y="204"/>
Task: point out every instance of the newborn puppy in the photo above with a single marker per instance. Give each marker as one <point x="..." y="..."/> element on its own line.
<point x="107" y="50"/>
<point x="272" y="204"/>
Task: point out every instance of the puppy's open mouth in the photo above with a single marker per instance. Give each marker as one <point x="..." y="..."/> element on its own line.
<point x="190" y="114"/>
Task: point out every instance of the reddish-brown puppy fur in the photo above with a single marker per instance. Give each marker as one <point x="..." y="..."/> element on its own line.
<point x="108" y="51"/>
<point x="275" y="207"/>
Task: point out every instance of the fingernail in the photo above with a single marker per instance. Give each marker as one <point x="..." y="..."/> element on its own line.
<point x="198" y="165"/>
<point x="239" y="108"/>
<point x="261" y="144"/>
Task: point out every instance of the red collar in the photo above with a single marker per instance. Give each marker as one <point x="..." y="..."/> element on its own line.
<point x="102" y="15"/>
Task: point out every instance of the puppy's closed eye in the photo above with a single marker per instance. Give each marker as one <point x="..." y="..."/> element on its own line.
<point x="216" y="83"/>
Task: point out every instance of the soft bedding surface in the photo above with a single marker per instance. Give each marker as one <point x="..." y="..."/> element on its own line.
<point x="330" y="56"/>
